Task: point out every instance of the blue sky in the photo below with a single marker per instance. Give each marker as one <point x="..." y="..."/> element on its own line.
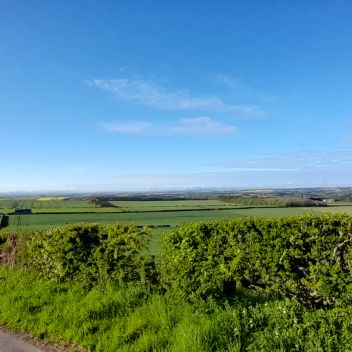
<point x="127" y="95"/>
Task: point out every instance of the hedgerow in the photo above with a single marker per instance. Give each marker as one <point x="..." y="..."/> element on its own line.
<point x="90" y="253"/>
<point x="307" y="258"/>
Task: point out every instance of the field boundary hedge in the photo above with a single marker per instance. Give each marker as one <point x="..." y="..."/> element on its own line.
<point x="307" y="258"/>
<point x="89" y="253"/>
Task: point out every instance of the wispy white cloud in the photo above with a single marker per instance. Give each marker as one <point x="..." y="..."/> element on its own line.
<point x="202" y="125"/>
<point x="196" y="125"/>
<point x="128" y="126"/>
<point x="263" y="169"/>
<point x="307" y="160"/>
<point x="150" y="94"/>
<point x="241" y="89"/>
<point x="227" y="80"/>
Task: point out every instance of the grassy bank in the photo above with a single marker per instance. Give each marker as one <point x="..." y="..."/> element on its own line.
<point x="129" y="319"/>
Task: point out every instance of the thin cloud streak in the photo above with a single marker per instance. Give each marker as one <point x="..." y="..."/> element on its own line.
<point x="129" y="127"/>
<point x="226" y="80"/>
<point x="150" y="94"/>
<point x="239" y="88"/>
<point x="308" y="160"/>
<point x="195" y="126"/>
<point x="202" y="125"/>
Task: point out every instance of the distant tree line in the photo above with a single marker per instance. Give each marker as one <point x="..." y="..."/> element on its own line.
<point x="274" y="201"/>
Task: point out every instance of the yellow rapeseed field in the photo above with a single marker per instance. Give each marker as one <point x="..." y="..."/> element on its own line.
<point x="48" y="199"/>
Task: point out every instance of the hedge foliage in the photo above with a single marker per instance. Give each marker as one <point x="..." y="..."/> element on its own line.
<point x="90" y="253"/>
<point x="307" y="258"/>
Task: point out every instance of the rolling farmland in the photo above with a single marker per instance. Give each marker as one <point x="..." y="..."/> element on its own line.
<point x="160" y="215"/>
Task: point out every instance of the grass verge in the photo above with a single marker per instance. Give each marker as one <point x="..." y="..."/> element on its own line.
<point x="112" y="319"/>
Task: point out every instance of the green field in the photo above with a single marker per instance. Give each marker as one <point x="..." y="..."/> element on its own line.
<point x="7" y="205"/>
<point x="83" y="206"/>
<point x="156" y="218"/>
<point x="172" y="205"/>
<point x="160" y="215"/>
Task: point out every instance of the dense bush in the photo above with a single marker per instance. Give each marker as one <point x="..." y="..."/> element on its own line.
<point x="307" y="258"/>
<point x="123" y="256"/>
<point x="61" y="253"/>
<point x="8" y="248"/>
<point x="90" y="253"/>
<point x="3" y="238"/>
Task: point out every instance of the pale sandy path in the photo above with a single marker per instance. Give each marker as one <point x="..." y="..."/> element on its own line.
<point x="13" y="343"/>
<point x="22" y="342"/>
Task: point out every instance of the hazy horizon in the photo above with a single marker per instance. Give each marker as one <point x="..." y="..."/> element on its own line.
<point x="158" y="190"/>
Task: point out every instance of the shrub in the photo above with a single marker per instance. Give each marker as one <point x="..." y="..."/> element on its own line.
<point x="61" y="253"/>
<point x="122" y="255"/>
<point x="307" y="258"/>
<point x="9" y="247"/>
<point x="90" y="253"/>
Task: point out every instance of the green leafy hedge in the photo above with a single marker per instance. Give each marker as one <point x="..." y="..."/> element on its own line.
<point x="90" y="253"/>
<point x="307" y="258"/>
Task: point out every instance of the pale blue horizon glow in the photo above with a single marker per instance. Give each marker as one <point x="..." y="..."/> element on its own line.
<point x="133" y="95"/>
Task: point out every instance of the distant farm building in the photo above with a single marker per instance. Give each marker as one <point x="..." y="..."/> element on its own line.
<point x="4" y="220"/>
<point x="23" y="211"/>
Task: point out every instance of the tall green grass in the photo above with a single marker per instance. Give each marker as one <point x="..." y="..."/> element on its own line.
<point x="112" y="319"/>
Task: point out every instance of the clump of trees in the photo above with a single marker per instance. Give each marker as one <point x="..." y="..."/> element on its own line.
<point x="102" y="203"/>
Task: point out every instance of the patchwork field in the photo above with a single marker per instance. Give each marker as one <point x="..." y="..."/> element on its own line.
<point x="160" y="215"/>
<point x="155" y="214"/>
<point x="63" y="205"/>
